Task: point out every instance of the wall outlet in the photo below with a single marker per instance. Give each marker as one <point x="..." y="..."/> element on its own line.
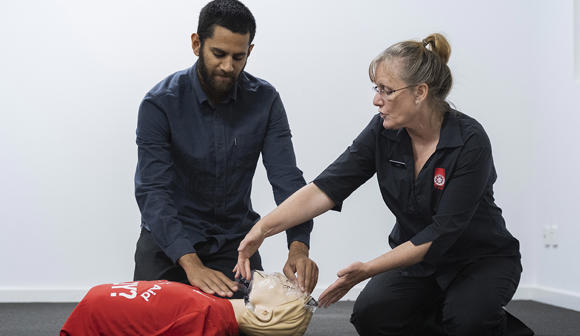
<point x="554" y="234"/>
<point x="550" y="234"/>
<point x="547" y="236"/>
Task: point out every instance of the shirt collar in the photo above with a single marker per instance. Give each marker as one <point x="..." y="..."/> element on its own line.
<point x="394" y="135"/>
<point x="199" y="93"/>
<point x="450" y="135"/>
<point x="198" y="90"/>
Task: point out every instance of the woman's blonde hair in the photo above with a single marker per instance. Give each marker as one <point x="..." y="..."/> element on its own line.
<point x="423" y="62"/>
<point x="289" y="319"/>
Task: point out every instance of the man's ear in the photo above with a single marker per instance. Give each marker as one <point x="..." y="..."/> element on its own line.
<point x="263" y="313"/>
<point x="250" y="50"/>
<point x="195" y="44"/>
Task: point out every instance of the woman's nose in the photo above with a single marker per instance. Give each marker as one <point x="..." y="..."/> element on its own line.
<point x="378" y="100"/>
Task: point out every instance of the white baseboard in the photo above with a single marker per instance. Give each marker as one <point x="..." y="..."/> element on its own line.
<point x="42" y="294"/>
<point x="552" y="296"/>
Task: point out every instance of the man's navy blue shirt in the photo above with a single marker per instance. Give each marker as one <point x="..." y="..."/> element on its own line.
<point x="196" y="161"/>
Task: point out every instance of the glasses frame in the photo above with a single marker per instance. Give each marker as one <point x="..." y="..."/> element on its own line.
<point x="385" y="93"/>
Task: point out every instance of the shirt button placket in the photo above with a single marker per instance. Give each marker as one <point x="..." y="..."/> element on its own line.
<point x="221" y="156"/>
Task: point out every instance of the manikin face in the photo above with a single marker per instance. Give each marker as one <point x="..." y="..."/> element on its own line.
<point x="275" y="306"/>
<point x="398" y="109"/>
<point x="272" y="290"/>
<point x="222" y="58"/>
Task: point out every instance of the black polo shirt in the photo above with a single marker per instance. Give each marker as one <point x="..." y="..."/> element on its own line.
<point x="449" y="203"/>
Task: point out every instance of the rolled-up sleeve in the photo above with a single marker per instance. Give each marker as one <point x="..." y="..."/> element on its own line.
<point x="460" y="199"/>
<point x="352" y="168"/>
<point x="153" y="178"/>
<point x="280" y="163"/>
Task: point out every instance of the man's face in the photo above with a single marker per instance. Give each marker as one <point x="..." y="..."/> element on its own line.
<point x="222" y="58"/>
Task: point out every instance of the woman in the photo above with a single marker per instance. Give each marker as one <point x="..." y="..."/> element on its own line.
<point x="452" y="256"/>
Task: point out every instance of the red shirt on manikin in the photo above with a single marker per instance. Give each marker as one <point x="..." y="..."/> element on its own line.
<point x="150" y="308"/>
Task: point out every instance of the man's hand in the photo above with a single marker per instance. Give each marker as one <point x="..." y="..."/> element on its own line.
<point x="208" y="280"/>
<point x="305" y="268"/>
<point x="347" y="278"/>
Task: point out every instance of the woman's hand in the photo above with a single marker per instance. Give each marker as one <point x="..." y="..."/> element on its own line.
<point x="347" y="278"/>
<point x="404" y="255"/>
<point x="248" y="246"/>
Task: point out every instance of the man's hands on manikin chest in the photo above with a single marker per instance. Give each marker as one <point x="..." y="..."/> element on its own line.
<point x="299" y="268"/>
<point x="208" y="280"/>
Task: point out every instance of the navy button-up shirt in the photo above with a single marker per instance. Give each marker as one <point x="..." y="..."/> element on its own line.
<point x="196" y="161"/>
<point x="449" y="203"/>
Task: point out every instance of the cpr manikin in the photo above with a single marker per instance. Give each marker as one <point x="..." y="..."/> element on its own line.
<point x="273" y="306"/>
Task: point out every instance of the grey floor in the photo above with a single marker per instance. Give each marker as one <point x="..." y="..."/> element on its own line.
<point x="42" y="319"/>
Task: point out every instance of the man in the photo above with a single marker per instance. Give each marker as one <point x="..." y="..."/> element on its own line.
<point x="274" y="306"/>
<point x="199" y="135"/>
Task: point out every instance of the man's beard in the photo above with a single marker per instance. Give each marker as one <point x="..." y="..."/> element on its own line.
<point x="215" y="90"/>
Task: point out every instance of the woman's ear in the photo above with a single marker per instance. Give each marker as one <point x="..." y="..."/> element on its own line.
<point x="421" y="93"/>
<point x="263" y="313"/>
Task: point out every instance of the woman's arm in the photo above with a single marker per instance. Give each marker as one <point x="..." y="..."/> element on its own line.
<point x="403" y="255"/>
<point x="305" y="204"/>
<point x="350" y="170"/>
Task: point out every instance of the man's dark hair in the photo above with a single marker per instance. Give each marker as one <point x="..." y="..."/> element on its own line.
<point x="230" y="14"/>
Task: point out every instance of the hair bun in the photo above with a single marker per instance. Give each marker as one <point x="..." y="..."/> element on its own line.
<point x="438" y="44"/>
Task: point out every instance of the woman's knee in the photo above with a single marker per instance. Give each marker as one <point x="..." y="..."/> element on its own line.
<point x="474" y="301"/>
<point x="371" y="317"/>
<point x="365" y="313"/>
<point x="390" y="304"/>
<point x="474" y="321"/>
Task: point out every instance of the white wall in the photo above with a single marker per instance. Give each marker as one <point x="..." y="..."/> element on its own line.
<point x="554" y="185"/>
<point x="74" y="72"/>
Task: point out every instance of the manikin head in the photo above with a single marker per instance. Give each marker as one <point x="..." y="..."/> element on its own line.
<point x="274" y="306"/>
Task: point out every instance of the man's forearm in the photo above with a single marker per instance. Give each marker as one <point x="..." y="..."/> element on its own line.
<point x="298" y="247"/>
<point x="190" y="261"/>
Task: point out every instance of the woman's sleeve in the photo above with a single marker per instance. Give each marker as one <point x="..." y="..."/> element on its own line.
<point x="352" y="168"/>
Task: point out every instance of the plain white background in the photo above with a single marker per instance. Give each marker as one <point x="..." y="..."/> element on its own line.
<point x="74" y="72"/>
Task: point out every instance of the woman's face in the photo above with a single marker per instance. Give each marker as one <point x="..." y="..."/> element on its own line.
<point x="397" y="109"/>
<point x="272" y="290"/>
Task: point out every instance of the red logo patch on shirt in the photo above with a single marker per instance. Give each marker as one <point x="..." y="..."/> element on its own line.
<point x="439" y="179"/>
